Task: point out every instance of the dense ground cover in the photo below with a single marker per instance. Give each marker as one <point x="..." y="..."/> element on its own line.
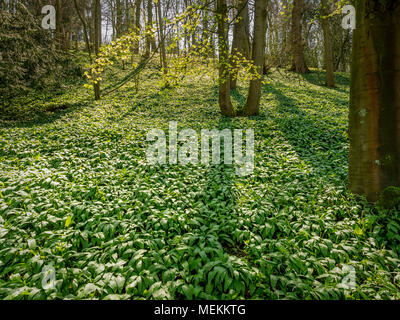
<point x="76" y="193"/>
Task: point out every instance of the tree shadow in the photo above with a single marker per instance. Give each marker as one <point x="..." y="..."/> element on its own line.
<point x="218" y="190"/>
<point x="178" y="109"/>
<point x="216" y="208"/>
<point x="44" y="115"/>
<point x="221" y="200"/>
<point x="317" y="77"/>
<point x="322" y="145"/>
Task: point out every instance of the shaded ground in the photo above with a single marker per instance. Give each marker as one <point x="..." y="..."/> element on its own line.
<point x="76" y="193"/>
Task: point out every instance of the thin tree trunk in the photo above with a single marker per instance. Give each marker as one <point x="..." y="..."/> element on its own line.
<point x="163" y="54"/>
<point x="374" y="119"/>
<point x="85" y="31"/>
<point x="97" y="27"/>
<point x="299" y="62"/>
<point x="119" y="22"/>
<point x="137" y="24"/>
<point x="253" y="99"/>
<point x="241" y="41"/>
<point x="328" y="47"/>
<point x="341" y="58"/>
<point x="225" y="102"/>
<point x="127" y="19"/>
<point x="58" y="24"/>
<point x="149" y="39"/>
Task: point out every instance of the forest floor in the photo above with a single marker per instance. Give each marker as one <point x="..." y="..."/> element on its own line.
<point x="77" y="195"/>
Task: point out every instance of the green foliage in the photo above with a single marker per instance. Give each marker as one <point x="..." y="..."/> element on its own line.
<point x="76" y="193"/>
<point x="197" y="61"/>
<point x="389" y="198"/>
<point x="26" y="52"/>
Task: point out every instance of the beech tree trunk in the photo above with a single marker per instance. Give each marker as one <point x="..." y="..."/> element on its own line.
<point x="374" y="119"/>
<point x="241" y="41"/>
<point x="299" y="62"/>
<point x="328" y="47"/>
<point x="253" y="100"/>
<point x="225" y="102"/>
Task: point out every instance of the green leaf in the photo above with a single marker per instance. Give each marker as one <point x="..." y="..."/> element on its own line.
<point x="68" y="221"/>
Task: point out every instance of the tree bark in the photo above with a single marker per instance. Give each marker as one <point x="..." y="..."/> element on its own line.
<point x="253" y="99"/>
<point x="59" y="24"/>
<point x="341" y="59"/>
<point x="328" y="47"/>
<point x="137" y="23"/>
<point x="97" y="27"/>
<point x="241" y="41"/>
<point x="85" y="31"/>
<point x="150" y="42"/>
<point x="119" y="23"/>
<point x="99" y="24"/>
<point x="163" y="54"/>
<point x="225" y="102"/>
<point x="127" y="18"/>
<point x="299" y="62"/>
<point x="374" y="118"/>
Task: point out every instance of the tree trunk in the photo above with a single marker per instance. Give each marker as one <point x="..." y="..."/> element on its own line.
<point x="328" y="50"/>
<point x="127" y="18"/>
<point x="225" y="102"/>
<point x="97" y="27"/>
<point x="341" y="59"/>
<point x="374" y="119"/>
<point x="253" y="99"/>
<point x="85" y="31"/>
<point x="119" y="23"/>
<point x="299" y="62"/>
<point x="59" y="24"/>
<point x="163" y="54"/>
<point x="241" y="41"/>
<point x="150" y="45"/>
<point x="137" y="24"/>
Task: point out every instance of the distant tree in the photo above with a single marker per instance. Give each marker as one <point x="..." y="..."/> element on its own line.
<point x="328" y="46"/>
<point x="241" y="41"/>
<point x="161" y="37"/>
<point x="85" y="28"/>
<point x="225" y="102"/>
<point x="299" y="62"/>
<point x="119" y="20"/>
<point x="150" y="41"/>
<point x="59" y="23"/>
<point x="97" y="41"/>
<point x="138" y="26"/>
<point x="253" y="100"/>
